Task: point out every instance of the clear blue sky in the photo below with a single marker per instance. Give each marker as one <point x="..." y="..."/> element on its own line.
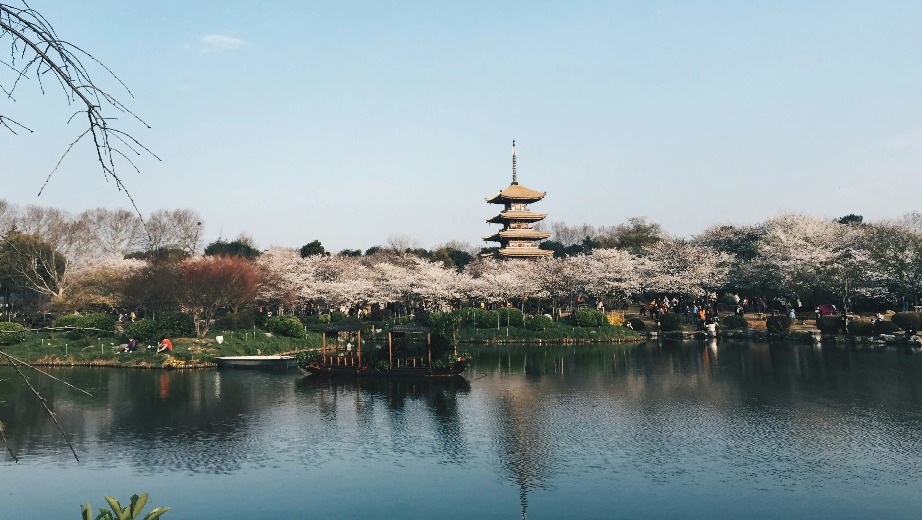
<point x="350" y="122"/>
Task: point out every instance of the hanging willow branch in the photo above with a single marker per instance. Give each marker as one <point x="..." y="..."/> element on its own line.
<point x="38" y="54"/>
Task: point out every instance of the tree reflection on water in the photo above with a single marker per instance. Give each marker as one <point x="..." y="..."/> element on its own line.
<point x="556" y="428"/>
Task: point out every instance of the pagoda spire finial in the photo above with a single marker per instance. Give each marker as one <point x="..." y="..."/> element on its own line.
<point x="514" y="178"/>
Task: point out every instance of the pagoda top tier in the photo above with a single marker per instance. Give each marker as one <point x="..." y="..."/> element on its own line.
<point x="516" y="193"/>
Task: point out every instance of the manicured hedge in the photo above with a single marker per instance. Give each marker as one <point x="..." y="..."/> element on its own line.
<point x="87" y="325"/>
<point x="637" y="324"/>
<point x="11" y="333"/>
<point x="169" y="325"/>
<point x="176" y="325"/>
<point x="510" y="316"/>
<point x="540" y="323"/>
<point x="734" y="321"/>
<point x="829" y="324"/>
<point x="145" y="331"/>
<point x="778" y="324"/>
<point x="908" y="320"/>
<point x="288" y="326"/>
<point x="670" y="321"/>
<point x="860" y="328"/>
<point x="588" y="318"/>
<point x="885" y="327"/>
<point x="484" y="319"/>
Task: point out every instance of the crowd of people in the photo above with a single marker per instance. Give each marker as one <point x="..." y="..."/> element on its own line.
<point x="701" y="311"/>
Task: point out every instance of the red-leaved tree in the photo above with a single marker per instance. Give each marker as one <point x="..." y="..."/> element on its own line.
<point x="215" y="282"/>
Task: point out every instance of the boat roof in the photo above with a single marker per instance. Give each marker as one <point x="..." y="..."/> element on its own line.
<point x="344" y="327"/>
<point x="411" y="329"/>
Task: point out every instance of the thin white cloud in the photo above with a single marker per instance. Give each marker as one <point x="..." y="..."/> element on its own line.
<point x="908" y="141"/>
<point x="221" y="43"/>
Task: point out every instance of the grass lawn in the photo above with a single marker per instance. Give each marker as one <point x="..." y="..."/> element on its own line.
<point x="55" y="349"/>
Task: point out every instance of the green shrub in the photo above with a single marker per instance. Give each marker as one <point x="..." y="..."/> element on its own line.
<point x="100" y="321"/>
<point x="860" y="328"/>
<point x="510" y="316"/>
<point x="908" y="320"/>
<point x="259" y="319"/>
<point x="734" y="321"/>
<point x="88" y="325"/>
<point x="485" y="319"/>
<point x="885" y="327"/>
<point x="289" y="326"/>
<point x="670" y="321"/>
<point x="778" y="324"/>
<point x="144" y="331"/>
<point x="11" y="333"/>
<point x="540" y="323"/>
<point x="69" y="320"/>
<point x="235" y="320"/>
<point x="588" y="318"/>
<point x="337" y="316"/>
<point x="444" y="326"/>
<point x="637" y="324"/>
<point x="176" y="325"/>
<point x="829" y="324"/>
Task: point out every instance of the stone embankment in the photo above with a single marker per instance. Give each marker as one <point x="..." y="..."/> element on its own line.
<point x="803" y="336"/>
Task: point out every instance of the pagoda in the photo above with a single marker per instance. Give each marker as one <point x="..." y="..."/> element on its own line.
<point x="517" y="238"/>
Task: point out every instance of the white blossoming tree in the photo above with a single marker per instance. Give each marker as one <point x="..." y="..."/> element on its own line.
<point x="677" y="267"/>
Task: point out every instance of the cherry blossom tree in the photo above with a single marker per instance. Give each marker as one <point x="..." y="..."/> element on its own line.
<point x="101" y="283"/>
<point x="819" y="257"/>
<point x="284" y="277"/>
<point x="498" y="281"/>
<point x="895" y="259"/>
<point x="677" y="267"/>
<point x="609" y="273"/>
<point x="437" y="287"/>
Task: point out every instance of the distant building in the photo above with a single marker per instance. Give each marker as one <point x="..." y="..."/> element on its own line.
<point x="517" y="238"/>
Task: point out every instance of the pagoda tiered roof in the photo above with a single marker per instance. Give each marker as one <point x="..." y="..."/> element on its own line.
<point x="524" y="251"/>
<point x="516" y="193"/>
<point x="511" y="234"/>
<point x="516" y="215"/>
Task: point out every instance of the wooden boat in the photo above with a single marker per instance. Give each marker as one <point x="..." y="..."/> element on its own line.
<point x="280" y="362"/>
<point x="335" y="361"/>
<point x="331" y="368"/>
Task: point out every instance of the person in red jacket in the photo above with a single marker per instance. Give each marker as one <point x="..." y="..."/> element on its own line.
<point x="165" y="345"/>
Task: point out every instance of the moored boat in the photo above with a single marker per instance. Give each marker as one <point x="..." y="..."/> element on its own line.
<point x="330" y="368"/>
<point x="279" y="362"/>
<point x="336" y="361"/>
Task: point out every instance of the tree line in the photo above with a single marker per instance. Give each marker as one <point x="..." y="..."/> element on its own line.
<point x="109" y="260"/>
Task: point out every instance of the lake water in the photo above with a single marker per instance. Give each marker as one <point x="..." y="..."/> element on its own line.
<point x="616" y="431"/>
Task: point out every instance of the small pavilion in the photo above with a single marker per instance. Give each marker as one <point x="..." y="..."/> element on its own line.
<point x="517" y="238"/>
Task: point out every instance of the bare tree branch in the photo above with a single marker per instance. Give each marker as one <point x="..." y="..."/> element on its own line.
<point x="37" y="51"/>
<point x="16" y="366"/>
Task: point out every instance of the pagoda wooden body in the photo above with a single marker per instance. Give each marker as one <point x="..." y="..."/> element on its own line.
<point x="517" y="238"/>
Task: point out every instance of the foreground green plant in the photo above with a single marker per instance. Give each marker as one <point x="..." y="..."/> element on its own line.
<point x="130" y="512"/>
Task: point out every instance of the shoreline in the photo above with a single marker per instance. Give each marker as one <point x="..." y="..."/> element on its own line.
<point x="813" y="337"/>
